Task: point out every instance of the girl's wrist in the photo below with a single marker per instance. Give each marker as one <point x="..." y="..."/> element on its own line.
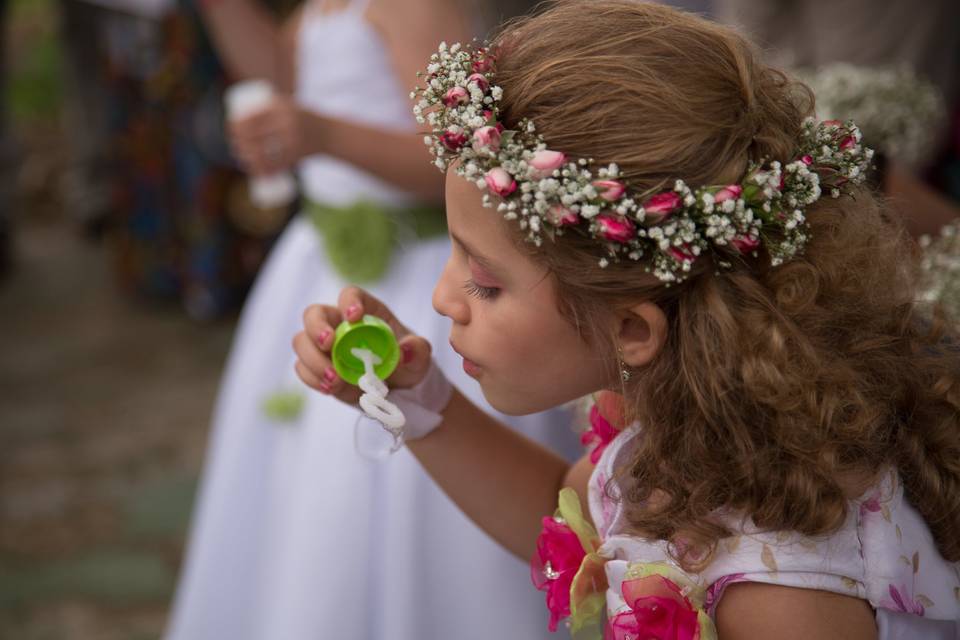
<point x="424" y="404"/>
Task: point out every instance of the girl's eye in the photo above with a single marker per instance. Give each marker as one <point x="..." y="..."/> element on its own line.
<point x="483" y="293"/>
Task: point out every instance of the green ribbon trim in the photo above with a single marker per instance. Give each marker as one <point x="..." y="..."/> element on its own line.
<point x="360" y="238"/>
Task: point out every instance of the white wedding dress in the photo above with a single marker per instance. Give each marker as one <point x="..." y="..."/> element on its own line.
<point x="294" y="535"/>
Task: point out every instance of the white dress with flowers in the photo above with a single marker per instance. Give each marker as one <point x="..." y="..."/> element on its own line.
<point x="295" y="536"/>
<point x="884" y="553"/>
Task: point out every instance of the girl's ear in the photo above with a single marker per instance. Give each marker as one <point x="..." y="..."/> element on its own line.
<point x="643" y="332"/>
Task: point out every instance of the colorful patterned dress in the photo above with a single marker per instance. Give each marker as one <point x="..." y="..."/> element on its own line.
<point x="884" y="553"/>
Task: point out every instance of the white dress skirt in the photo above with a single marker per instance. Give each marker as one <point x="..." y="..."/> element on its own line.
<point x="295" y="536"/>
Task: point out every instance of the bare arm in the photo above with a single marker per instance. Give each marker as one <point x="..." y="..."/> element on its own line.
<point x="500" y="479"/>
<point x="411" y="31"/>
<point x="754" y="610"/>
<point x="249" y="40"/>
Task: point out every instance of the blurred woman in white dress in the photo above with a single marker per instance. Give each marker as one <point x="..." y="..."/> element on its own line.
<point x="294" y="534"/>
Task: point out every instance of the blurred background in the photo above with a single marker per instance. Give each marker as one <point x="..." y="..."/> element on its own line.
<point x="127" y="244"/>
<point x="122" y="271"/>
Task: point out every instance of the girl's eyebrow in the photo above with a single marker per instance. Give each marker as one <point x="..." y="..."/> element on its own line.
<point x="484" y="262"/>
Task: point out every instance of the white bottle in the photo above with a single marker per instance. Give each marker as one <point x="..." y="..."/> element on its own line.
<point x="245" y="99"/>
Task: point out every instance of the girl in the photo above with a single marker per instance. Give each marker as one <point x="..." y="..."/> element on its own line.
<point x="287" y="539"/>
<point x="637" y="204"/>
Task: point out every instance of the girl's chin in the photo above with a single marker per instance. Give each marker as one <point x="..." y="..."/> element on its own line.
<point x="515" y="405"/>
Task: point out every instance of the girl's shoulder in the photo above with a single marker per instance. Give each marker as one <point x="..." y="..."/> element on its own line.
<point x="884" y="553"/>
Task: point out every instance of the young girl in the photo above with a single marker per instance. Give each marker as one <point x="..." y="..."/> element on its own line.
<point x="638" y="204"/>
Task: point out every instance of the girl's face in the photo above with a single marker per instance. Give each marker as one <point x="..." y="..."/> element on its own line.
<point x="507" y="326"/>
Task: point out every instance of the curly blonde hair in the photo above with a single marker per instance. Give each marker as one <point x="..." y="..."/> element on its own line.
<point x="776" y="386"/>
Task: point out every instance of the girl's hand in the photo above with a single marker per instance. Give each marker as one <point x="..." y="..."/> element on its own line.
<point x="314" y="343"/>
<point x="273" y="139"/>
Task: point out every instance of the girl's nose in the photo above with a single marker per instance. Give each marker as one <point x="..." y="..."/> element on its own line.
<point x="449" y="300"/>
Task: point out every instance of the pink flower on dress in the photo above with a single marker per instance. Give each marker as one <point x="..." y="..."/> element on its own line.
<point x="545" y="162"/>
<point x="847" y="143"/>
<point x="658" y="611"/>
<point x="807" y="159"/>
<point x="600" y="434"/>
<point x="730" y="192"/>
<point x="715" y="590"/>
<point x="500" y="182"/>
<point x="609" y="190"/>
<point x="659" y="207"/>
<point x="902" y="601"/>
<point x="871" y="505"/>
<point x="455" y="96"/>
<point x="553" y="567"/>
<point x="616" y="228"/>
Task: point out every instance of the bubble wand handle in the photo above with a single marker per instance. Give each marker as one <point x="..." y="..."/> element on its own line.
<point x="374" y="399"/>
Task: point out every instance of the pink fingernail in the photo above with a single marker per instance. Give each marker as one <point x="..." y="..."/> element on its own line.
<point x="325" y="388"/>
<point x="353" y="310"/>
<point x="330" y="375"/>
<point x="323" y="336"/>
<point x="407" y="351"/>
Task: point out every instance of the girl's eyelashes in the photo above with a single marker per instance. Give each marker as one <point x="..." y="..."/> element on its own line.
<point x="483" y="293"/>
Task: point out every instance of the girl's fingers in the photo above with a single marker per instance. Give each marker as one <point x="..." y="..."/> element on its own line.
<point x="309" y="378"/>
<point x="414" y="362"/>
<point x="354" y="302"/>
<point x="320" y="323"/>
<point x="313" y="358"/>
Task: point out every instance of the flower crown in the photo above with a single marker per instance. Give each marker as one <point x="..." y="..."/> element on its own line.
<point x="549" y="193"/>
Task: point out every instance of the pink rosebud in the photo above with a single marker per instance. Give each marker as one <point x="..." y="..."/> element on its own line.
<point x="483" y="64"/>
<point x="616" y="228"/>
<point x="480" y="80"/>
<point x="807" y="159"/>
<point x="609" y="190"/>
<point x="545" y="162"/>
<point x="500" y="182"/>
<point x="745" y="244"/>
<point x="832" y="123"/>
<point x="847" y="143"/>
<point x="488" y="117"/>
<point x="455" y="96"/>
<point x="559" y="216"/>
<point x="453" y="140"/>
<point x="486" y="138"/>
<point x="682" y="254"/>
<point x="730" y="192"/>
<point x="659" y="207"/>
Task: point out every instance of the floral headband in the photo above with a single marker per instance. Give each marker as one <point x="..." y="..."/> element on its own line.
<point x="549" y="193"/>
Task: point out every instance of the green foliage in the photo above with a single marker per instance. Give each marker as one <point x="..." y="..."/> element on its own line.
<point x="33" y="90"/>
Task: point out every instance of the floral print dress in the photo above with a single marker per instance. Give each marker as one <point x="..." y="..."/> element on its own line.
<point x="884" y="553"/>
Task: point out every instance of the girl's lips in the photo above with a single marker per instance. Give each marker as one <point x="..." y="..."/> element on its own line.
<point x="470" y="367"/>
